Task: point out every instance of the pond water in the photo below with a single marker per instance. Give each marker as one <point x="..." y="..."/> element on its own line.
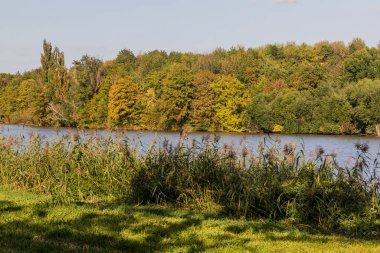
<point x="342" y="146"/>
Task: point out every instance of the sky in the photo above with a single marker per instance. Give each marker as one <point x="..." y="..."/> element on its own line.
<point x="101" y="28"/>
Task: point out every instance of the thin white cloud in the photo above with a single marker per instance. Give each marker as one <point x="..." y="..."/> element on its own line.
<point x="285" y="1"/>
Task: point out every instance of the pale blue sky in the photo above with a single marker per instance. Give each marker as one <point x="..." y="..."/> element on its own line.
<point x="103" y="27"/>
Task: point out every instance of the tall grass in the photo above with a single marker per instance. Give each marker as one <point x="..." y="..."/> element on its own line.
<point x="277" y="182"/>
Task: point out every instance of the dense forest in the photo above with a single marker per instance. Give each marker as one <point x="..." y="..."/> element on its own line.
<point x="329" y="88"/>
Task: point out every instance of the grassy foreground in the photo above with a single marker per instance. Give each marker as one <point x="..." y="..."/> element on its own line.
<point x="30" y="223"/>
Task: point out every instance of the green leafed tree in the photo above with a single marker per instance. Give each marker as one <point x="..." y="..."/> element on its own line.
<point x="231" y="104"/>
<point x="356" y="44"/>
<point x="176" y="98"/>
<point x="203" y="111"/>
<point x="364" y="98"/>
<point x="362" y="64"/>
<point x="31" y="102"/>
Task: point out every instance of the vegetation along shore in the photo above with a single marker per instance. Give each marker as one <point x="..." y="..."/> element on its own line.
<point x="274" y="183"/>
<point x="325" y="88"/>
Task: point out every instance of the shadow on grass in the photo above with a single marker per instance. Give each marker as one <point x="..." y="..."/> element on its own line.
<point x="122" y="228"/>
<point x="256" y="227"/>
<point x="8" y="206"/>
<point x="296" y="238"/>
<point x="33" y="231"/>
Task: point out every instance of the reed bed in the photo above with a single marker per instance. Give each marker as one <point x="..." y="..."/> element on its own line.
<point x="275" y="182"/>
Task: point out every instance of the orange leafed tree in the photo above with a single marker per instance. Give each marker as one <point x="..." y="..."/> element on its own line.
<point x="124" y="102"/>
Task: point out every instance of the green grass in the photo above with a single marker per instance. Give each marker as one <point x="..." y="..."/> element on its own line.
<point x="31" y="223"/>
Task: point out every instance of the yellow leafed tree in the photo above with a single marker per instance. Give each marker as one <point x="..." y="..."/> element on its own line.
<point x="124" y="103"/>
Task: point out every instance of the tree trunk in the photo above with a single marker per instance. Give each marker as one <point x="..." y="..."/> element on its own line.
<point x="378" y="130"/>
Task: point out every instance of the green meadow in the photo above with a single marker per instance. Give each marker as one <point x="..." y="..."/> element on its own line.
<point x="30" y="223"/>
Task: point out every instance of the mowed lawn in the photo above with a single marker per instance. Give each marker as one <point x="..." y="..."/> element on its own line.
<point x="30" y="223"/>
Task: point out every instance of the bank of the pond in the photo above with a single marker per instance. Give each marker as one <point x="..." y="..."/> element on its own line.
<point x="277" y="182"/>
<point x="30" y="223"/>
<point x="189" y="130"/>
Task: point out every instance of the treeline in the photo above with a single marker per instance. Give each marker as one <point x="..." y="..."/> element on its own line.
<point x="328" y="87"/>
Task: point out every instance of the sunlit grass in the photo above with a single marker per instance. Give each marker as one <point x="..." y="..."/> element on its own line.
<point x="30" y="223"/>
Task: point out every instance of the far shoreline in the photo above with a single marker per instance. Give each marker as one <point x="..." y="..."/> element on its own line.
<point x="185" y="133"/>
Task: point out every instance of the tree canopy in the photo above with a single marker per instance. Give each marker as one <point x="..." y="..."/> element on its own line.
<point x="329" y="87"/>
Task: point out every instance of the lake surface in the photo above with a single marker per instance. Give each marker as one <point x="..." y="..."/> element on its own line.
<point x="342" y="146"/>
